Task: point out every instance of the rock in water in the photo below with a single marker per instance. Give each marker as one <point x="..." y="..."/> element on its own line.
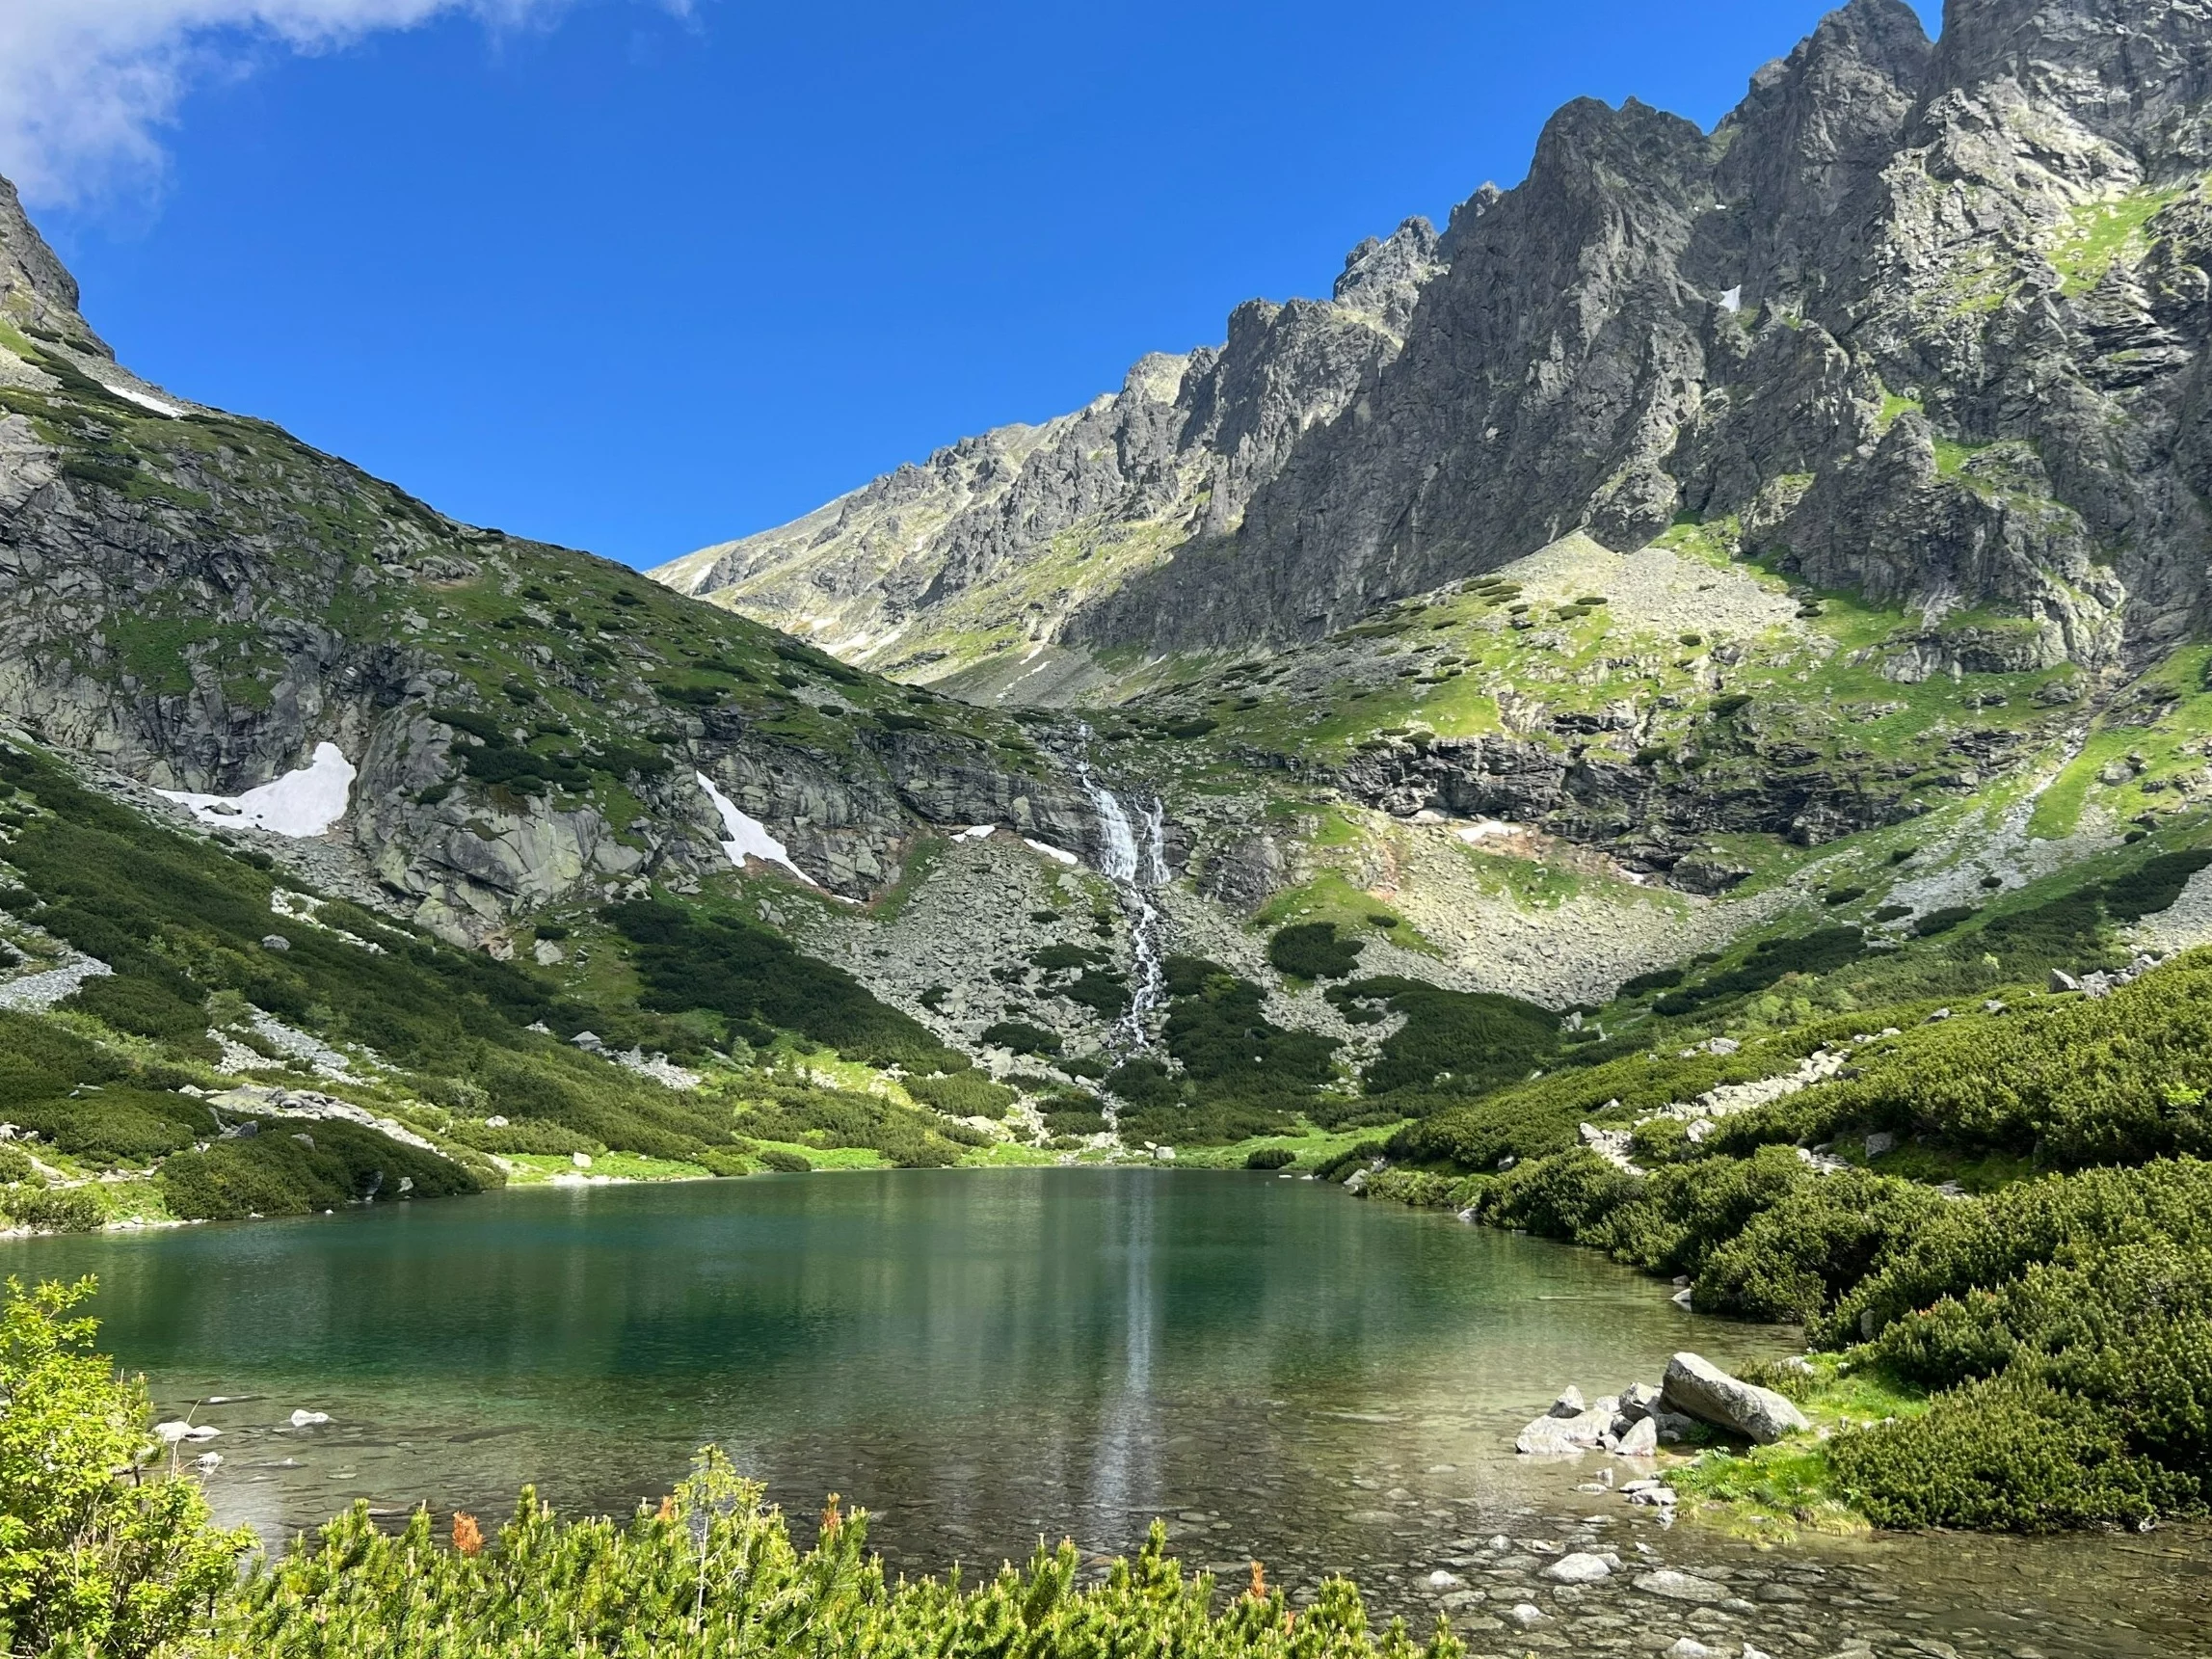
<point x="1697" y="1387"/>
<point x="1548" y="1436"/>
<point x="1569" y="1403"/>
<point x="305" y="1419"/>
<point x="1580" y="1568"/>
<point x="1672" y="1586"/>
<point x="1641" y="1439"/>
<point x="1640" y="1400"/>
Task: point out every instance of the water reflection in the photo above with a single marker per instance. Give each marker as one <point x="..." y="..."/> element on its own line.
<point x="982" y="1360"/>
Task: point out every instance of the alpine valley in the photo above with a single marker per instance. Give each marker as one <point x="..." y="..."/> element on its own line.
<point x="1672" y="714"/>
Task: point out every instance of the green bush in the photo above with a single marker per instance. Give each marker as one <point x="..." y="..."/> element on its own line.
<point x="1558" y="1197"/>
<point x="1312" y="950"/>
<point x="1019" y="1036"/>
<point x="93" y="1565"/>
<point x="1458" y="1042"/>
<point x="56" y="1209"/>
<point x="142" y="1007"/>
<point x="754" y="978"/>
<point x="117" y="1124"/>
<point x="2009" y="1455"/>
<point x="1990" y="1241"/>
<point x="828" y="1117"/>
<point x="713" y="1571"/>
<point x="40" y="1060"/>
<point x="1271" y="1158"/>
<point x="527" y="1136"/>
<point x="1228" y="1050"/>
<point x="1943" y="920"/>
<point x="2072" y="1082"/>
<point x="1819" y="951"/>
<point x="963" y="1094"/>
<point x="1791" y="1259"/>
<point x="294" y="1166"/>
<point x="783" y="1162"/>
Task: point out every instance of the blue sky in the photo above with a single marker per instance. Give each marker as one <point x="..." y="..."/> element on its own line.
<point x="636" y="279"/>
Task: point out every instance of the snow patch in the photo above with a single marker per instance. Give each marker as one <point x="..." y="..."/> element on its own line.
<point x="749" y="836"/>
<point x="1733" y="300"/>
<point x="1051" y="853"/>
<point x="299" y="804"/>
<point x="980" y="832"/>
<point x="1484" y="829"/>
<point x="146" y="400"/>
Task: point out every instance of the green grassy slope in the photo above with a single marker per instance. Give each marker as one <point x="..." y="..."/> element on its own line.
<point x="131" y="1075"/>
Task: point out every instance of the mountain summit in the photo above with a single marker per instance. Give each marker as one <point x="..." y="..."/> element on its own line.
<point x="1922" y="320"/>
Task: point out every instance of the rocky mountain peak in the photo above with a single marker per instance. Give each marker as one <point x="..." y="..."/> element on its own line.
<point x="36" y="292"/>
<point x="1999" y="242"/>
<point x="1383" y="277"/>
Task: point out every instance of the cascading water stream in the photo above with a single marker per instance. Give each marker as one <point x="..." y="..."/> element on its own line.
<point x="1136" y="866"/>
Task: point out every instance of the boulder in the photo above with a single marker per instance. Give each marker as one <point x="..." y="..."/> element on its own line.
<point x="1640" y="1400"/>
<point x="1640" y="1441"/>
<point x="1673" y="1426"/>
<point x="1580" y="1568"/>
<point x="1548" y="1436"/>
<point x="1698" y="1388"/>
<point x="1672" y="1586"/>
<point x="1569" y="1403"/>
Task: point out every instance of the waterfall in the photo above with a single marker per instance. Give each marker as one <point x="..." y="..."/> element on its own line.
<point x="1135" y="868"/>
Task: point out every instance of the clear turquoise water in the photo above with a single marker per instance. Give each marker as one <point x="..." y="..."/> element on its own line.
<point x="978" y="1358"/>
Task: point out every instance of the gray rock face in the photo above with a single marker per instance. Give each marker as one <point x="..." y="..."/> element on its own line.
<point x="195" y="601"/>
<point x="1172" y="457"/>
<point x="1697" y="1387"/>
<point x="1922" y="320"/>
<point x="36" y="292"/>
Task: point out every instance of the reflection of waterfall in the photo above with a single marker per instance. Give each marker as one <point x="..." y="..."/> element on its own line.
<point x="1125" y="1477"/>
<point x="1135" y="868"/>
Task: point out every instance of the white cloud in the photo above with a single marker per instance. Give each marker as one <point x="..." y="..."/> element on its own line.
<point x="86" y="86"/>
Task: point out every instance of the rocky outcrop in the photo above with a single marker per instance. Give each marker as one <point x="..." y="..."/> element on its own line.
<point x="196" y="602"/>
<point x="996" y="540"/>
<point x="1655" y="813"/>
<point x="1924" y="320"/>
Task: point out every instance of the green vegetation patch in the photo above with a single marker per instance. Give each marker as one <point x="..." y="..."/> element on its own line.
<point x="293" y="1166"/>
<point x="755" y="981"/>
<point x="1313" y="950"/>
<point x="1452" y="1042"/>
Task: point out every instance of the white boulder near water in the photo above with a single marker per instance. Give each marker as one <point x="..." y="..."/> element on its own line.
<point x="300" y="804"/>
<point x="1697" y="1387"/>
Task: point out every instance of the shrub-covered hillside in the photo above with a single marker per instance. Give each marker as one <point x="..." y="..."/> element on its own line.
<point x="257" y="1047"/>
<point x="1993" y="1213"/>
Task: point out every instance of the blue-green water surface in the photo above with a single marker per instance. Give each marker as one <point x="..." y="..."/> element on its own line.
<point x="980" y="1358"/>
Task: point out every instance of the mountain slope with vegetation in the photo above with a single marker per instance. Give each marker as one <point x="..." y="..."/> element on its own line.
<point x="1922" y="320"/>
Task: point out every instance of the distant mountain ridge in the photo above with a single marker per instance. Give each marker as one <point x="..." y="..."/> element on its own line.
<point x="997" y="541"/>
<point x="1921" y="319"/>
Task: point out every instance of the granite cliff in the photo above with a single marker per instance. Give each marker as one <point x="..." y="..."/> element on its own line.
<point x="1921" y="320"/>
